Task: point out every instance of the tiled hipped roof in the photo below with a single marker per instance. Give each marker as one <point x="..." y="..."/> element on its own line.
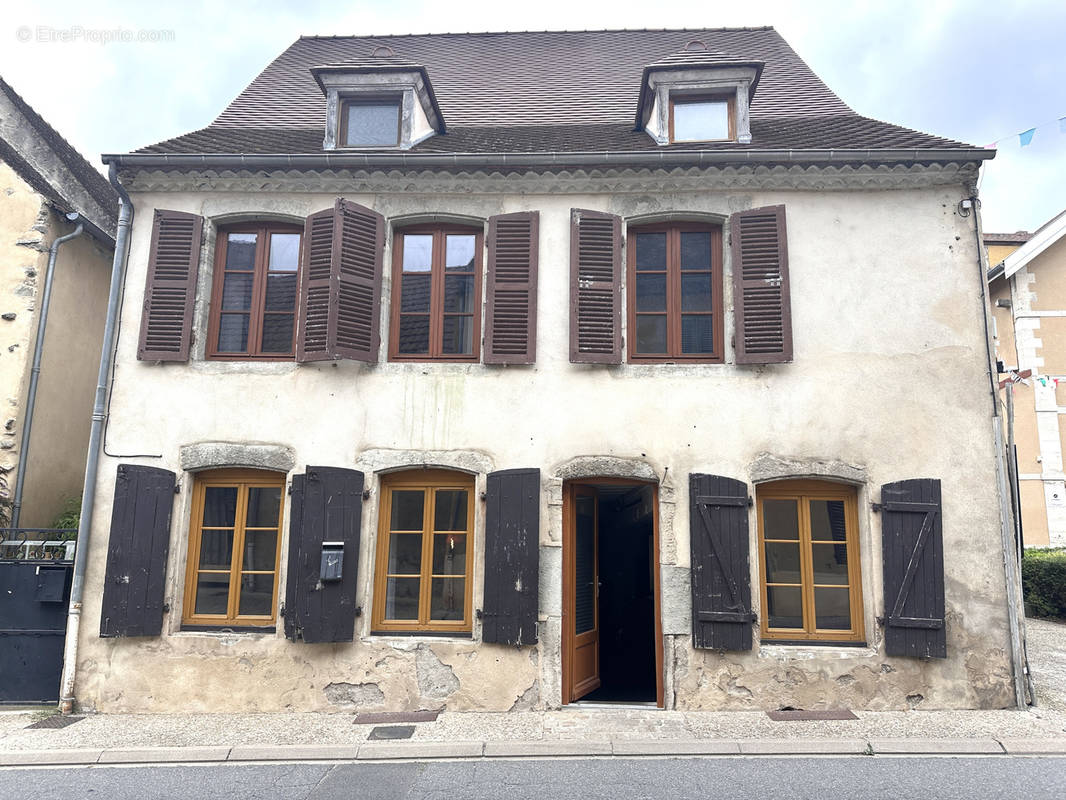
<point x="543" y="92"/>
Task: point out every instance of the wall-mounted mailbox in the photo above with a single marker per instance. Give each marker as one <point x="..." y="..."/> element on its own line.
<point x="332" y="561"/>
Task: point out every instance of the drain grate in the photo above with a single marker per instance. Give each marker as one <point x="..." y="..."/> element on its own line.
<point x="55" y="721"/>
<point x="393" y="732"/>
<point x="797" y="715"/>
<point x="376" y="718"/>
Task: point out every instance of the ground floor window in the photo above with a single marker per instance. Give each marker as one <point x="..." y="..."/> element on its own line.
<point x="424" y="552"/>
<point x="809" y="561"/>
<point x="231" y="575"/>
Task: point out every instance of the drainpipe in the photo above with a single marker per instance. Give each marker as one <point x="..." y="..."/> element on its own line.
<point x="35" y="371"/>
<point x="92" y="460"/>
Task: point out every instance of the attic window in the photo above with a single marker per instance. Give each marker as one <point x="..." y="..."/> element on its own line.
<point x="701" y="119"/>
<point x="370" y="122"/>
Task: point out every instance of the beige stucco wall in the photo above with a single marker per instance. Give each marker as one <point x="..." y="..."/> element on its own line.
<point x="889" y="377"/>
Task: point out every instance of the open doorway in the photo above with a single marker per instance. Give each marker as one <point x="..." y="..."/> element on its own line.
<point x="612" y="641"/>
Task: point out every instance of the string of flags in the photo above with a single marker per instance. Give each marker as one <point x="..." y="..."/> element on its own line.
<point x="1025" y="376"/>
<point x="1025" y="138"/>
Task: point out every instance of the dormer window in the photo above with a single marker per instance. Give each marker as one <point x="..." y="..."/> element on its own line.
<point x="370" y="122"/>
<point x="701" y="119"/>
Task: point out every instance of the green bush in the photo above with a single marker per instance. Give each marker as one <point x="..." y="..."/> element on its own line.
<point x="70" y="515"/>
<point x="1044" y="582"/>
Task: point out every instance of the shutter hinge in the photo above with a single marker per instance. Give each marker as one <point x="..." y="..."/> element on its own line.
<point x="366" y="494"/>
<point x="876" y="507"/>
<point x="288" y="488"/>
<point x="177" y="488"/>
<point x="751" y="501"/>
<point x="881" y="620"/>
<point x="358" y="611"/>
<point x="484" y="496"/>
<point x="166" y="608"/>
<point x="479" y="613"/>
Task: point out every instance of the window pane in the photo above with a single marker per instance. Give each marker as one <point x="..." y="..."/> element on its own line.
<point x="651" y="251"/>
<point x="233" y="333"/>
<point x="277" y="333"/>
<point x="264" y="503"/>
<point x="697" y="333"/>
<point x="371" y="125"/>
<point x="696" y="250"/>
<point x="459" y="293"/>
<point x="780" y="519"/>
<point x="830" y="563"/>
<point x="784" y="607"/>
<point x="459" y="251"/>
<point x="449" y="554"/>
<point x="407" y="510"/>
<point x="832" y="609"/>
<point x="257" y="596"/>
<point x="216" y="549"/>
<point x="783" y="562"/>
<point x="585" y="566"/>
<point x="416" y="294"/>
<point x="240" y="251"/>
<point x="414" y="333"/>
<point x="458" y="335"/>
<point x="237" y="291"/>
<point x="827" y="521"/>
<point x="220" y="506"/>
<point x="651" y="292"/>
<point x="651" y="334"/>
<point x="694" y="122"/>
<point x="405" y="553"/>
<point x="260" y="550"/>
<point x="447" y="598"/>
<point x="450" y="512"/>
<point x="281" y="293"/>
<point x="401" y="598"/>
<point x="284" y="251"/>
<point x="417" y="252"/>
<point x="212" y="593"/>
<point x="696" y="292"/>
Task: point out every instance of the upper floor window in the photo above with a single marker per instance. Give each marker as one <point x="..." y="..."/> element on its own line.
<point x="370" y="122"/>
<point x="436" y="294"/>
<point x="701" y="119"/>
<point x="253" y="308"/>
<point x="675" y="292"/>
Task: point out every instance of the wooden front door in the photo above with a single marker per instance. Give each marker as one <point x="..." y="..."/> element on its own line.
<point x="583" y="621"/>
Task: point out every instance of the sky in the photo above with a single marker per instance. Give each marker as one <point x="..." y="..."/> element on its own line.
<point x="114" y="76"/>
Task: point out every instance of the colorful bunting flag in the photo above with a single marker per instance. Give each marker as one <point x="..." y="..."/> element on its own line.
<point x="1062" y="124"/>
<point x="1026" y="137"/>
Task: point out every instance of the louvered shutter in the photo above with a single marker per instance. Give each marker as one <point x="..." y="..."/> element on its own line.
<point x="595" y="287"/>
<point x="340" y="287"/>
<point x="912" y="549"/>
<point x="326" y="506"/>
<point x="137" y="552"/>
<point x="512" y="557"/>
<point x="762" y="309"/>
<point x="721" y="582"/>
<point x="170" y="290"/>
<point x="511" y="310"/>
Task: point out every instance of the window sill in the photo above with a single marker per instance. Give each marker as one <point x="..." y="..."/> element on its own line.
<point x="408" y="636"/>
<point x="226" y="630"/>
<point x="782" y="650"/>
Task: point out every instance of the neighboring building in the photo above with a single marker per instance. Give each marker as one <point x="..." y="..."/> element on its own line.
<point x="498" y="371"/>
<point x="1027" y="288"/>
<point x="42" y="180"/>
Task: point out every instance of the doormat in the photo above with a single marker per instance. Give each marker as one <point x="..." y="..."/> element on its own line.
<point x="797" y="715"/>
<point x="395" y="732"/>
<point x="376" y="718"/>
<point x="55" y="721"/>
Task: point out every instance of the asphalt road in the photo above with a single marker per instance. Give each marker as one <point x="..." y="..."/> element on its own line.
<point x="677" y="779"/>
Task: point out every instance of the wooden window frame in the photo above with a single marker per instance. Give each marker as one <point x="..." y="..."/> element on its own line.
<point x="802" y="491"/>
<point x="243" y="479"/>
<point x="436" y="305"/>
<point x="259" y="282"/>
<point x="673" y="293"/>
<point x="685" y="99"/>
<point x="429" y="480"/>
<point x="377" y="100"/>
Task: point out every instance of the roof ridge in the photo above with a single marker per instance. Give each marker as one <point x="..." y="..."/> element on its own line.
<point x="500" y="33"/>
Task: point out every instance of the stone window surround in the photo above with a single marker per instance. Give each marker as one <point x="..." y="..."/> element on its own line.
<point x="732" y="82"/>
<point x="416" y="104"/>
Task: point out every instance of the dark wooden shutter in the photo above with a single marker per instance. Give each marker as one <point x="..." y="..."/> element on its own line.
<point x="912" y="548"/>
<point x="340" y="289"/>
<point x="512" y="557"/>
<point x="762" y="309"/>
<point x="326" y="506"/>
<point x="595" y="287"/>
<point x="137" y="552"/>
<point x="511" y="311"/>
<point x="170" y="291"/>
<point x="721" y="582"/>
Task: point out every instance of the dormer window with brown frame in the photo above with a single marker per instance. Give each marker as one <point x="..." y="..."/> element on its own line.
<point x="371" y="121"/>
<point x="702" y="118"/>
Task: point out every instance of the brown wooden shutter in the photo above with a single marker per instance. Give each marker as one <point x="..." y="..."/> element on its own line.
<point x="137" y="552"/>
<point x="512" y="557"/>
<point x="595" y="287"/>
<point x="170" y="291"/>
<point x="721" y="582"/>
<point x="762" y="309"/>
<point x="326" y="507"/>
<point x="340" y="286"/>
<point x="912" y="548"/>
<point x="511" y="311"/>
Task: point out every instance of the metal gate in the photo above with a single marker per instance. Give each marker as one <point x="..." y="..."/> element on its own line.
<point x="35" y="571"/>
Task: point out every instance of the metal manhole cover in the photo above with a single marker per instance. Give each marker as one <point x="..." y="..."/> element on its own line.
<point x="55" y="721"/>
<point x="393" y="732"/>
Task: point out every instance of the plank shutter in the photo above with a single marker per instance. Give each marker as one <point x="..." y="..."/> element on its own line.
<point x="170" y="290"/>
<point x="512" y="557"/>
<point x="340" y="286"/>
<point x="326" y="506"/>
<point x="595" y="287"/>
<point x="721" y="582"/>
<point x="912" y="547"/>
<point x="511" y="312"/>
<point x="762" y="308"/>
<point x="137" y="552"/>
